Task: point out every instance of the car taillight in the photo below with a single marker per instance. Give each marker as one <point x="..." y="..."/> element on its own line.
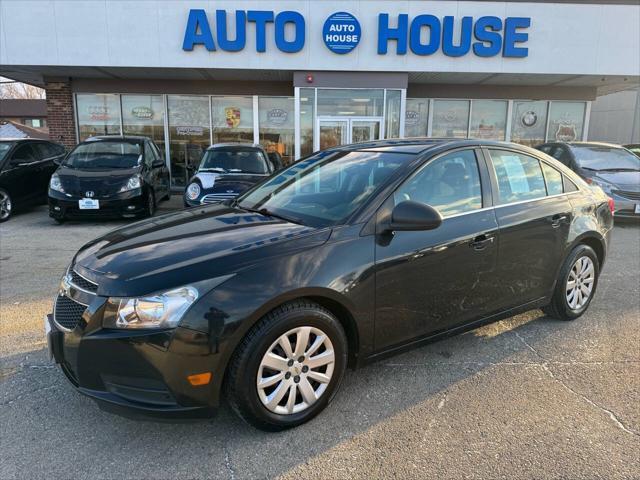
<point x="612" y="205"/>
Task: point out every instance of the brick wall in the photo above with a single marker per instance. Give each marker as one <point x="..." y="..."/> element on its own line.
<point x="60" y="117"/>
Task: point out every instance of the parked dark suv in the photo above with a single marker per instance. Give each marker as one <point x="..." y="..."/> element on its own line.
<point x="26" y="166"/>
<point x="348" y="255"/>
<point x="109" y="176"/>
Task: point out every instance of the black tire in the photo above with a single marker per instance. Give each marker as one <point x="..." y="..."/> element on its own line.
<point x="240" y="381"/>
<point x="559" y="307"/>
<point x="150" y="205"/>
<point x="167" y="196"/>
<point x="6" y="205"/>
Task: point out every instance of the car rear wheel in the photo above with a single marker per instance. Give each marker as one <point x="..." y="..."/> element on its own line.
<point x="6" y="206"/>
<point x="576" y="284"/>
<point x="288" y="367"/>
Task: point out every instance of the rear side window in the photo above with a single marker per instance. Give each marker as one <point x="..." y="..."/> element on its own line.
<point x="450" y="184"/>
<point x="553" y="178"/>
<point x="569" y="186"/>
<point x="519" y="176"/>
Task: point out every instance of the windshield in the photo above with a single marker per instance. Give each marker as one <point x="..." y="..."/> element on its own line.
<point x="324" y="189"/>
<point x="606" y="158"/>
<point x="235" y="160"/>
<point x="4" y="148"/>
<point x="104" y="155"/>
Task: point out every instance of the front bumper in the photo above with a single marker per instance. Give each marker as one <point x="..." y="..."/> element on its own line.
<point x="126" y="204"/>
<point x="138" y="374"/>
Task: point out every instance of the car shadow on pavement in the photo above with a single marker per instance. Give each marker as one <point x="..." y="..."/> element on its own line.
<point x="42" y="413"/>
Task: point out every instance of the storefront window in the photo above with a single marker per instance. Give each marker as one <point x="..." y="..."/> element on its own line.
<point x="276" y="122"/>
<point x="144" y="115"/>
<point x="566" y="121"/>
<point x="188" y="135"/>
<point x="392" y="125"/>
<point x="450" y="118"/>
<point x="98" y="115"/>
<point x="350" y="102"/>
<point x="307" y="100"/>
<point x="489" y="119"/>
<point x="416" y="117"/>
<point x="232" y="119"/>
<point x="528" y="122"/>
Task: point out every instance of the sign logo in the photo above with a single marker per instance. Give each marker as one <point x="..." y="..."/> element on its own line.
<point x="566" y="133"/>
<point x="232" y="115"/>
<point x="89" y="194"/>
<point x="277" y="116"/>
<point x="341" y="32"/>
<point x="142" y="112"/>
<point x="529" y="119"/>
<point x="411" y="117"/>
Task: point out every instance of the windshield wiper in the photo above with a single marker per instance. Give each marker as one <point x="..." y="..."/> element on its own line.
<point x="620" y="170"/>
<point x="265" y="211"/>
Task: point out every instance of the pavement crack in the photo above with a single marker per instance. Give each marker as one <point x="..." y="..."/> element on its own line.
<point x="228" y="465"/>
<point x="29" y="392"/>
<point x="528" y="345"/>
<point x="609" y="413"/>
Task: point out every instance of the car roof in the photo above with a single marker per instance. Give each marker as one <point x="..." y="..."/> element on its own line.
<point x="422" y="145"/>
<point x="237" y="144"/>
<point x="126" y="138"/>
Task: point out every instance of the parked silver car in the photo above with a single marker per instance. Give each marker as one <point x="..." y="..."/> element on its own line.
<point x="611" y="167"/>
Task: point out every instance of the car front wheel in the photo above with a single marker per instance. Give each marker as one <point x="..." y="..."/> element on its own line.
<point x="6" y="206"/>
<point x="576" y="284"/>
<point x="288" y="367"/>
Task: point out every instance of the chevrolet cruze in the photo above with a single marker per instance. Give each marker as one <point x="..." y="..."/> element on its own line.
<point x="348" y="255"/>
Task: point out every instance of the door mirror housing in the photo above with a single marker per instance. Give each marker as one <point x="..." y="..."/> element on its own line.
<point x="158" y="163"/>
<point x="414" y="216"/>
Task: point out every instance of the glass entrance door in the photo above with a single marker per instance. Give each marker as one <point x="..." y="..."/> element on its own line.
<point x="334" y="131"/>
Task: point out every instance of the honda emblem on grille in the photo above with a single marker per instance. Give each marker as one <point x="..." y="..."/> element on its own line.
<point x="90" y="193"/>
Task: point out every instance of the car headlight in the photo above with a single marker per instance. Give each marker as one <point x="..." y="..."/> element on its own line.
<point x="164" y="310"/>
<point x="193" y="191"/>
<point x="55" y="183"/>
<point x="133" y="183"/>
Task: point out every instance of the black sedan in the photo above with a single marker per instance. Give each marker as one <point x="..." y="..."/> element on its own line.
<point x="348" y="255"/>
<point x="109" y="176"/>
<point x="226" y="171"/>
<point x="26" y="166"/>
<point x="611" y="167"/>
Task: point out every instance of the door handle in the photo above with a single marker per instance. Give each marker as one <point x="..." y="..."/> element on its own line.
<point x="557" y="220"/>
<point x="481" y="241"/>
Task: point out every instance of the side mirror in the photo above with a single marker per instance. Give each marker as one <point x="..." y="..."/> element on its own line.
<point x="414" y="216"/>
<point x="58" y="160"/>
<point x="158" y="164"/>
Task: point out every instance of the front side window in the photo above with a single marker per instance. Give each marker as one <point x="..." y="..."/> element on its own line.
<point x="326" y="188"/>
<point x="606" y="158"/>
<point x="553" y="179"/>
<point x="450" y="184"/>
<point x="104" y="155"/>
<point x="4" y="149"/>
<point x="519" y="176"/>
<point x="234" y="160"/>
<point x="24" y="154"/>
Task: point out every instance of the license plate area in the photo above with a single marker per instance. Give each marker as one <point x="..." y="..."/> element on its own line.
<point x="88" y="204"/>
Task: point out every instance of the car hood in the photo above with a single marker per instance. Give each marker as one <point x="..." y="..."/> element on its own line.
<point x="188" y="247"/>
<point x="101" y="182"/>
<point x="223" y="182"/>
<point x="629" y="181"/>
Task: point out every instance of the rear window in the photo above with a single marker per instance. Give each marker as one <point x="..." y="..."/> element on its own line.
<point x="606" y="158"/>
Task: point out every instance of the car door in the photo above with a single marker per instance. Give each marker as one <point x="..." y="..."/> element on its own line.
<point x="47" y="154"/>
<point x="22" y="173"/>
<point x="534" y="217"/>
<point x="430" y="281"/>
<point x="160" y="171"/>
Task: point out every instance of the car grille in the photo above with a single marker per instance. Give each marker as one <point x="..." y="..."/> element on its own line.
<point x="625" y="194"/>
<point x="82" y="283"/>
<point x="217" y="197"/>
<point x="67" y="313"/>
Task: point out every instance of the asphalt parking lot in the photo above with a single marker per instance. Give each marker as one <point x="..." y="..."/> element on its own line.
<point x="527" y="397"/>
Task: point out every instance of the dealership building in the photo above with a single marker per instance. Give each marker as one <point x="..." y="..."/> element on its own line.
<point x="298" y="76"/>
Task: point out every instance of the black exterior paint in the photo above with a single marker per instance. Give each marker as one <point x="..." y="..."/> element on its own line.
<point x="106" y="185"/>
<point x="391" y="290"/>
<point x="27" y="179"/>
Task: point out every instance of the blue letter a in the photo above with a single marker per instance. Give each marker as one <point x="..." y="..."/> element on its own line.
<point x="198" y="18"/>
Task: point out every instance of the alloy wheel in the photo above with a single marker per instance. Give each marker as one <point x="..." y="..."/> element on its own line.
<point x="580" y="283"/>
<point x="5" y="206"/>
<point x="296" y="370"/>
